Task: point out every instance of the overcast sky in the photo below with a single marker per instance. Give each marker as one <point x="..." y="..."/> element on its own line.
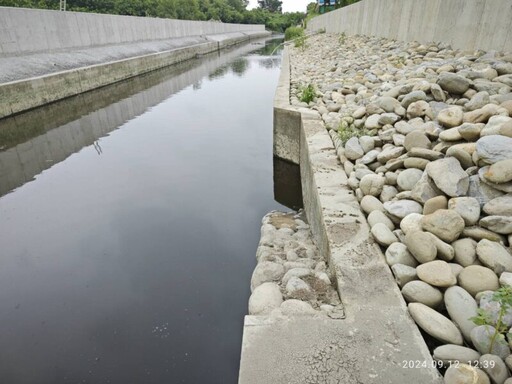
<point x="288" y="5"/>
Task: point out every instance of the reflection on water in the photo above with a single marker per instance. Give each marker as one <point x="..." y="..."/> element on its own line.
<point x="287" y="184"/>
<point x="34" y="141"/>
<point x="129" y="239"/>
<point x="240" y="66"/>
<point x="270" y="47"/>
<point x="269" y="63"/>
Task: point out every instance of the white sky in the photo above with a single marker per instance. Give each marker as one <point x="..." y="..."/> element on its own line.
<point x="288" y="5"/>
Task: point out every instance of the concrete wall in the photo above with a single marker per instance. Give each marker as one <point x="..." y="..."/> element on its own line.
<point x="286" y="120"/>
<point x="19" y="96"/>
<point x="24" y="31"/>
<point x="27" y="33"/>
<point x="465" y="24"/>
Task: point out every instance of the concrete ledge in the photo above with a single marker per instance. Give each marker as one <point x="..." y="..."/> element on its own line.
<point x="22" y="95"/>
<point x="286" y="119"/>
<point x="377" y="336"/>
<point x="229" y="39"/>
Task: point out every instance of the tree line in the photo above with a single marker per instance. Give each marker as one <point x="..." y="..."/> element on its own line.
<point x="269" y="12"/>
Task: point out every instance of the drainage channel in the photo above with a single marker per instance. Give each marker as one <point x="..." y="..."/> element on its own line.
<point x="129" y="220"/>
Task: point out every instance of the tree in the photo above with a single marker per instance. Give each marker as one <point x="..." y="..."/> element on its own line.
<point x="239" y="5"/>
<point x="271" y="5"/>
<point x="188" y="10"/>
<point x="228" y="11"/>
<point x="102" y="6"/>
<point x="166" y="8"/>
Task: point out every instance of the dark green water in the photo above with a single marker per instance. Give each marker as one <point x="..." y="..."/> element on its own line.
<point x="129" y="223"/>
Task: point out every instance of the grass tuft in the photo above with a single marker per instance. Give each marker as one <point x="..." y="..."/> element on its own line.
<point x="307" y="93"/>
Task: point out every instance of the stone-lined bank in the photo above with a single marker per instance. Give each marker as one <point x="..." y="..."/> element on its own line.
<point x="292" y="276"/>
<point x="425" y="138"/>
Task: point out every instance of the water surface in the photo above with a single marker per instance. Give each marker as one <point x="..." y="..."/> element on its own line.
<point x="129" y="222"/>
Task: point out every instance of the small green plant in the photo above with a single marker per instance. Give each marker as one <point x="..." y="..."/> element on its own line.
<point x="503" y="297"/>
<point x="292" y="33"/>
<point x="398" y="62"/>
<point x="346" y="131"/>
<point x="307" y="93"/>
<point x="342" y="38"/>
<point x="300" y="42"/>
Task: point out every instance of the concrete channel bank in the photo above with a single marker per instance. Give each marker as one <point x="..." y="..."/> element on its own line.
<point x="49" y="55"/>
<point x="377" y="335"/>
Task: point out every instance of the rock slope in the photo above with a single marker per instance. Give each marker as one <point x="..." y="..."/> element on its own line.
<point x="424" y="133"/>
<point x="291" y="277"/>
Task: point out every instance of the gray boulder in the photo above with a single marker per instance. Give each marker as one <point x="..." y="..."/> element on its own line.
<point x="449" y="176"/>
<point x="444" y="223"/>
<point x="435" y="324"/>
<point x="481" y="337"/>
<point x="494" y="148"/>
<point x="425" y="189"/>
<point x="467" y="207"/>
<point x="401" y="208"/>
<point x="499" y="206"/>
<point x="450" y="353"/>
<point x="265" y="298"/>
<point x="453" y="83"/>
<point x="498" y="224"/>
<point x="461" y="306"/>
<point x="266" y="271"/>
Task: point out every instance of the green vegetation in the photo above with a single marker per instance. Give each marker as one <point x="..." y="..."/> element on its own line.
<point x="271" y="5"/>
<point x="503" y="297"/>
<point x="292" y="33"/>
<point x="347" y="130"/>
<point x="335" y="5"/>
<point x="342" y="38"/>
<point x="296" y="34"/>
<point x="227" y="11"/>
<point x="314" y="10"/>
<point x="307" y="93"/>
<point x="300" y="42"/>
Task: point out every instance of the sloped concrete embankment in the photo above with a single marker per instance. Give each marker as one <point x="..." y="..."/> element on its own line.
<point x="48" y="55"/>
<point x="377" y="337"/>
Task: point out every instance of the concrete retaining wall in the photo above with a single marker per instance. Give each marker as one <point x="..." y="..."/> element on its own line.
<point x="286" y="120"/>
<point x="465" y="24"/>
<point x="28" y="32"/>
<point x="19" y="96"/>
<point x="25" y="31"/>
